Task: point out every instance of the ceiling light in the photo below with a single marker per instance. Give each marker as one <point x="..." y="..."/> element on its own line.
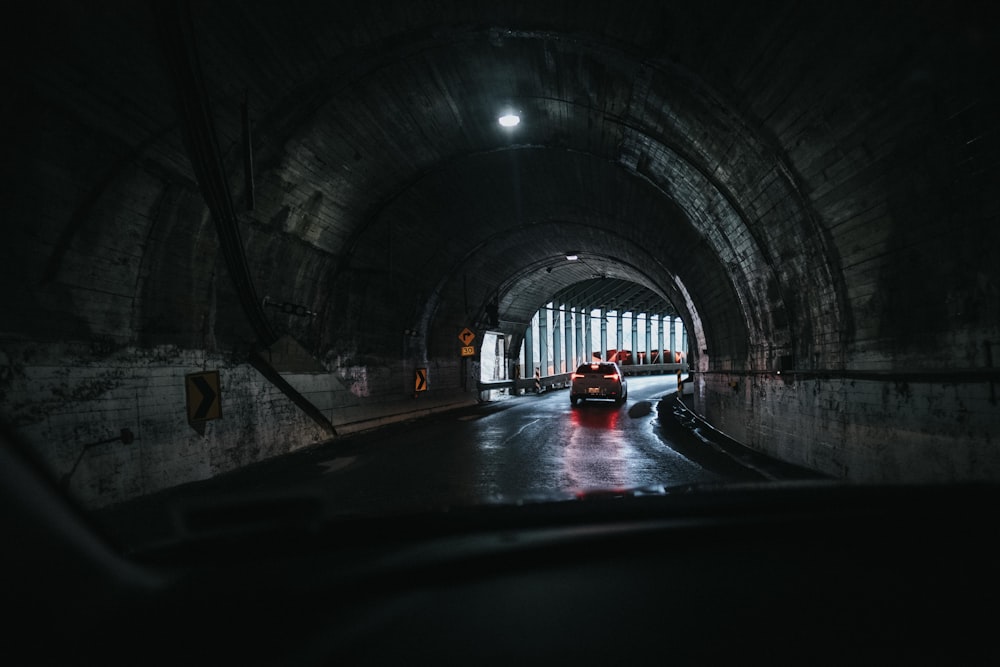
<point x="509" y="120"/>
<point x="572" y="256"/>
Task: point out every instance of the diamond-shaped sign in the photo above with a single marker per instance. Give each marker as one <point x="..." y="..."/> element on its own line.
<point x="466" y="336"/>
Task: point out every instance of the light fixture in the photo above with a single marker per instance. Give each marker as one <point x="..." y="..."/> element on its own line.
<point x="509" y="119"/>
<point x="572" y="256"/>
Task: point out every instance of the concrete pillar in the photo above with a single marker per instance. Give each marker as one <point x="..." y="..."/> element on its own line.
<point x="604" y="333"/>
<point x="618" y="329"/>
<point x="529" y="350"/>
<point x="673" y="336"/>
<point x="557" y="339"/>
<point x="583" y="350"/>
<point x="649" y="337"/>
<point x="570" y="354"/>
<point x="684" y="341"/>
<point x="543" y="340"/>
<point x="658" y="337"/>
<point x="588" y="333"/>
<point x="635" y="338"/>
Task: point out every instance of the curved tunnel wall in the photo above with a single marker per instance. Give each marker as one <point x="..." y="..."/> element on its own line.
<point x="813" y="188"/>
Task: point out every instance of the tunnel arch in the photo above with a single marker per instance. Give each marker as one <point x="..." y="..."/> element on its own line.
<point x="649" y="142"/>
<point x="831" y="210"/>
<point x="527" y="288"/>
<point x="645" y="138"/>
<point x="597" y="197"/>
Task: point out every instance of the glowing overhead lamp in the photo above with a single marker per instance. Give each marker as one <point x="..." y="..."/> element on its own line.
<point x="509" y="119"/>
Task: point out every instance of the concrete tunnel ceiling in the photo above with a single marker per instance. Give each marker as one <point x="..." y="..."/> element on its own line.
<point x="384" y="156"/>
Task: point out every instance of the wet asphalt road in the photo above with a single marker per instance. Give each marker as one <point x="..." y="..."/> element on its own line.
<point x="520" y="448"/>
<point x="525" y="448"/>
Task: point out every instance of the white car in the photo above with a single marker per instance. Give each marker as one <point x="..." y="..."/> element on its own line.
<point x="598" y="380"/>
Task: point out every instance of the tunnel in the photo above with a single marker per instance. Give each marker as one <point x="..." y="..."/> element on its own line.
<point x="238" y="229"/>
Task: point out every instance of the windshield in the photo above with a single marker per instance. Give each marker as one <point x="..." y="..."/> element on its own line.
<point x="594" y="368"/>
<point x="277" y="260"/>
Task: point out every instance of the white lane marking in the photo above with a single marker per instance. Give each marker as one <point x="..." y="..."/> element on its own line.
<point x="518" y="432"/>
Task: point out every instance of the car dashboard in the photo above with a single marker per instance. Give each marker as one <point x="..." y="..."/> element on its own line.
<point x="806" y="572"/>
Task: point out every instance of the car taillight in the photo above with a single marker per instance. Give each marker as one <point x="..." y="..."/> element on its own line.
<point x="576" y="376"/>
<point x="613" y="376"/>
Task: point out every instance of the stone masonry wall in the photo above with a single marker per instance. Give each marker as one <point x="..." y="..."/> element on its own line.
<point x="61" y="398"/>
<point x="862" y="428"/>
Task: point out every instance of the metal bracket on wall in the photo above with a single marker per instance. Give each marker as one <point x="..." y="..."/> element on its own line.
<point x="176" y="35"/>
<point x="265" y="368"/>
<point x="125" y="437"/>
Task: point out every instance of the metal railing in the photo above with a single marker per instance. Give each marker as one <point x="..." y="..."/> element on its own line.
<point x="653" y="369"/>
<point x="547" y="382"/>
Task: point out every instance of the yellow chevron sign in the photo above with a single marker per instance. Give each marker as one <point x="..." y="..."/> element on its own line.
<point x="204" y="399"/>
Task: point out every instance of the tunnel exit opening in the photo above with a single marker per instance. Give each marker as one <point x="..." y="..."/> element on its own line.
<point x="493" y="362"/>
<point x="560" y="337"/>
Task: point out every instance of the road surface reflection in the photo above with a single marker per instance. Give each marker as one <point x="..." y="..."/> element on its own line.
<point x="597" y="452"/>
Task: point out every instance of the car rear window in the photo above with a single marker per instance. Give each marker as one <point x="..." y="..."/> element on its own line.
<point x="597" y="368"/>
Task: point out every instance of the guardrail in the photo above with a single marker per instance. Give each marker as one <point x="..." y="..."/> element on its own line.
<point x="547" y="382"/>
<point x="528" y="384"/>
<point x="653" y="369"/>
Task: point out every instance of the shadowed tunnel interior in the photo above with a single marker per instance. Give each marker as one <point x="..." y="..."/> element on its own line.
<point x="813" y="187"/>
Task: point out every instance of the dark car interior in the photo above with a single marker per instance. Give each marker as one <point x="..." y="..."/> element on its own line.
<point x="798" y="573"/>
